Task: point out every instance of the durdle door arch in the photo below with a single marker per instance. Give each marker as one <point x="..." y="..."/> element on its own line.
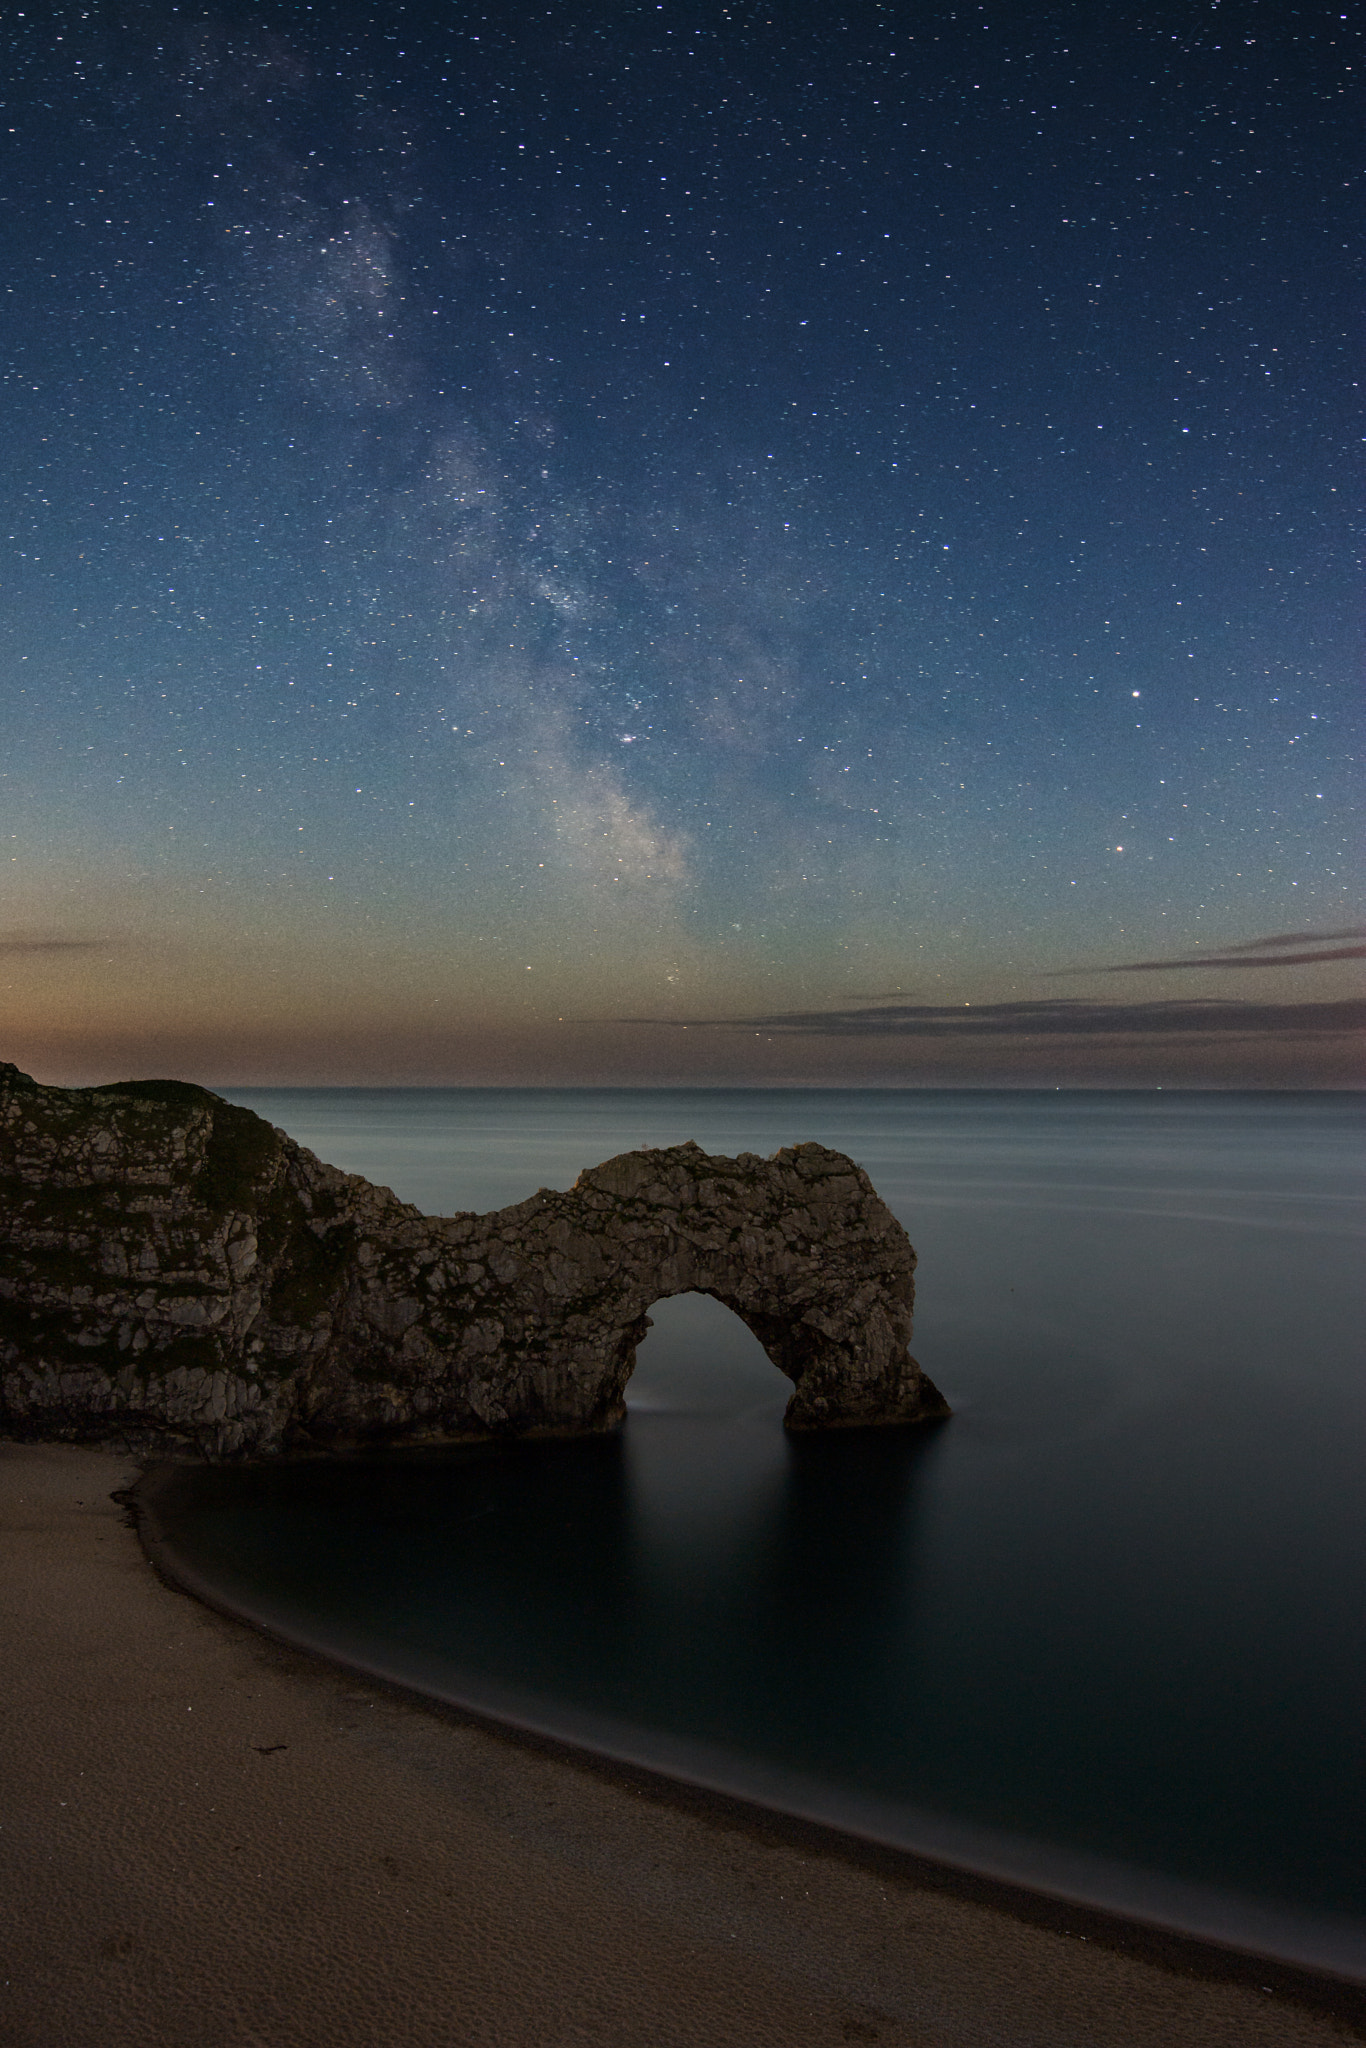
<point x="174" y="1270"/>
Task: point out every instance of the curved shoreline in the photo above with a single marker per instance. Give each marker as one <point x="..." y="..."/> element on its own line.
<point x="1136" y="1902"/>
<point x="210" y="1837"/>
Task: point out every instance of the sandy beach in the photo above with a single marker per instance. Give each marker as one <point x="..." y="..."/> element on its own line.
<point x="208" y="1838"/>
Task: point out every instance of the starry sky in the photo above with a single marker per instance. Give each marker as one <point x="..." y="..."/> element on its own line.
<point x="680" y="542"/>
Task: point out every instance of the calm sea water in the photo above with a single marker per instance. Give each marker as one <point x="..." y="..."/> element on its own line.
<point x="1104" y="1631"/>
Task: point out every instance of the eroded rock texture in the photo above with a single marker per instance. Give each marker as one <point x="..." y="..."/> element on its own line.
<point x="174" y="1269"/>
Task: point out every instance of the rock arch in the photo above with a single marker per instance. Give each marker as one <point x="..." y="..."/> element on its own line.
<point x="798" y="1247"/>
<point x="173" y="1267"/>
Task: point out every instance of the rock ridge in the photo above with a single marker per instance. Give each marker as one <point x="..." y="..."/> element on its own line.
<point x="177" y="1273"/>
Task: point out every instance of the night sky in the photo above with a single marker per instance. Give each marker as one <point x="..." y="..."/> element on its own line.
<point x="681" y="542"/>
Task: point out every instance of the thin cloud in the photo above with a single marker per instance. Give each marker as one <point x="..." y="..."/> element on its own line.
<point x="1066" y="1018"/>
<point x="54" y="945"/>
<point x="1283" y="949"/>
<point x="1348" y="931"/>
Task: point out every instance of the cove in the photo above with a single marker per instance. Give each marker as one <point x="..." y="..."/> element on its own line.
<point x="1100" y="1633"/>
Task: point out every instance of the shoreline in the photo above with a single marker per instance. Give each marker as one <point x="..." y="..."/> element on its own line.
<point x="1140" y="1905"/>
<point x="625" y="1906"/>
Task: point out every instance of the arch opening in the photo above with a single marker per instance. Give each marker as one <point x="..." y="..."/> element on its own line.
<point x="699" y="1355"/>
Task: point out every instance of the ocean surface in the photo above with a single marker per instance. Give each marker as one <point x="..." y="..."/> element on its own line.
<point x="1103" y="1632"/>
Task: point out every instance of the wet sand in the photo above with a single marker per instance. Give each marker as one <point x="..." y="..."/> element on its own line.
<point x="208" y="1838"/>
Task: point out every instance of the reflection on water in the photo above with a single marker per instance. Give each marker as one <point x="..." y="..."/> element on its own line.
<point x="757" y="1555"/>
<point x="1113" y="1606"/>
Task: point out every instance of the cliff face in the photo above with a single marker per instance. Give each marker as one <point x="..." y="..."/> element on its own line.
<point x="174" y="1269"/>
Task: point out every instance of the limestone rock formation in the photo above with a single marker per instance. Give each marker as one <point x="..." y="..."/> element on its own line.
<point x="173" y="1270"/>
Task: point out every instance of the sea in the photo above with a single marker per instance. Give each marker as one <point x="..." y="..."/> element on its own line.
<point x="1102" y="1633"/>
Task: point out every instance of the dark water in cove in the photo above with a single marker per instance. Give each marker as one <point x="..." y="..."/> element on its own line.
<point x="1105" y="1629"/>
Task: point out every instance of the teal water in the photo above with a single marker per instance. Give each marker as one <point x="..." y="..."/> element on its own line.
<point x="1105" y="1630"/>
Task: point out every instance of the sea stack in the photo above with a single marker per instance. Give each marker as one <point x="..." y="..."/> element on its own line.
<point x="178" y="1274"/>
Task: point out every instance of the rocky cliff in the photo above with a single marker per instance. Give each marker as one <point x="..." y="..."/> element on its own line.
<point x="175" y="1271"/>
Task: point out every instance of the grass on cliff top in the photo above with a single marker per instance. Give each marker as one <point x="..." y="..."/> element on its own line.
<point x="242" y="1149"/>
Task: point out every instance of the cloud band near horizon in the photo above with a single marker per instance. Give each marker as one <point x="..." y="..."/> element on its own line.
<point x="1066" y="1018"/>
<point x="1282" y="949"/>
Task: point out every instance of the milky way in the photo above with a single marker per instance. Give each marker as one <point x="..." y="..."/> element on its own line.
<point x="526" y="530"/>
